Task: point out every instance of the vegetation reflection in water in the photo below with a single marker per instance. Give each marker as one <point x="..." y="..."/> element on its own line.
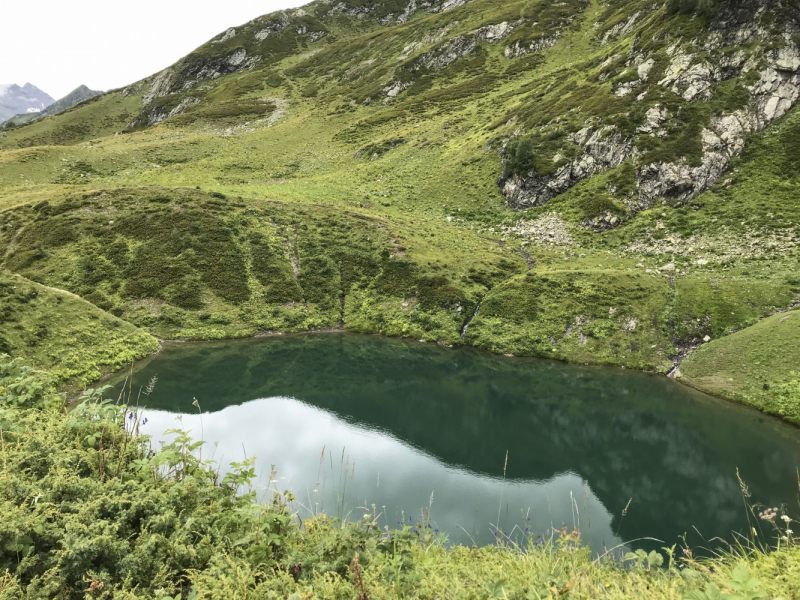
<point x="403" y="423"/>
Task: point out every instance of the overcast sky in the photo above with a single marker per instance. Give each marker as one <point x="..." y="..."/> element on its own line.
<point x="58" y="45"/>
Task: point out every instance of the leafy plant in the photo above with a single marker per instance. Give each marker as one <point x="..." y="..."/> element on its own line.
<point x="22" y="386"/>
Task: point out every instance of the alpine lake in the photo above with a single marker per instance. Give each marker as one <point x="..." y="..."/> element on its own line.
<point x="473" y="445"/>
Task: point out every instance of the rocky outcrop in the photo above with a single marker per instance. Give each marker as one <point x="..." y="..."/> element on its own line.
<point x="182" y="77"/>
<point x="229" y="34"/>
<point x="539" y="44"/>
<point x="603" y="148"/>
<point x="159" y="113"/>
<point x="376" y="10"/>
<point x="773" y="73"/>
<point x="427" y="40"/>
<point x="691" y="82"/>
<point x="778" y="87"/>
<point x="653" y="119"/>
<point x="495" y="33"/>
<point x="357" y="12"/>
<point x="447" y="53"/>
<point x="621" y="29"/>
<point x="679" y="182"/>
<point x="277" y="24"/>
<point x="602" y="222"/>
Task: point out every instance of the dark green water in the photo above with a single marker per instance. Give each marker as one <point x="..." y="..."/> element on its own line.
<point x="400" y="421"/>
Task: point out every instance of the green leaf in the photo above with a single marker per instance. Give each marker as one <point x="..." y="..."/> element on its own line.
<point x="629" y="556"/>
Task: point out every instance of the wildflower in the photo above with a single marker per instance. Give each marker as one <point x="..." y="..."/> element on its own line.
<point x="789" y="532"/>
<point x="768" y="514"/>
<point x="785" y="518"/>
<point x="144" y="421"/>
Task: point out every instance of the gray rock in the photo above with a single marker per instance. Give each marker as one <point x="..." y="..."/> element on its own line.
<point x="602" y="222"/>
<point x="539" y="44"/>
<point x="279" y="23"/>
<point x="653" y="119"/>
<point x="495" y="33"/>
<point x="446" y="54"/>
<point x="621" y="29"/>
<point x="644" y="69"/>
<point x="604" y="148"/>
<point x="691" y="75"/>
<point x="230" y="33"/>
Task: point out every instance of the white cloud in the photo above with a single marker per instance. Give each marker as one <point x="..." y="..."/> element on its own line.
<point x="59" y="45"/>
<point x="382" y="470"/>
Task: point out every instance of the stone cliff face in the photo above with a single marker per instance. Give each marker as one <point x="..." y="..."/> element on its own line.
<point x="750" y="46"/>
<point x="183" y="78"/>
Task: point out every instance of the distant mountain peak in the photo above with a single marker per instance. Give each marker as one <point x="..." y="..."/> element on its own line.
<point x="15" y="99"/>
<point x="76" y="96"/>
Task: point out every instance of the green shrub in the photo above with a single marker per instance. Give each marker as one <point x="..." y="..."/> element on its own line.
<point x="21" y="386"/>
<point x="519" y="156"/>
<point x="309" y="91"/>
<point x="787" y="401"/>
<point x="111" y="517"/>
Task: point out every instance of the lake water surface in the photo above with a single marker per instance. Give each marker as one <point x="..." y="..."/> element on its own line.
<point x="409" y="427"/>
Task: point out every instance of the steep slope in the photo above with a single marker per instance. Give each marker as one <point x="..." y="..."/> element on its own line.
<point x="75" y="97"/>
<point x="730" y="367"/>
<point x="15" y="99"/>
<point x="58" y="331"/>
<point x="607" y="183"/>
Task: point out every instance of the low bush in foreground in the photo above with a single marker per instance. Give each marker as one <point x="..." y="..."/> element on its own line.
<point x="91" y="511"/>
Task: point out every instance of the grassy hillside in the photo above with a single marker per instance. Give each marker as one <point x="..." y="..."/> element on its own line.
<point x="605" y="183"/>
<point x="56" y="330"/>
<point x="756" y="366"/>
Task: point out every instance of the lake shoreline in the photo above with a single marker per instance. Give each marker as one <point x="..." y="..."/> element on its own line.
<point x="262" y="335"/>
